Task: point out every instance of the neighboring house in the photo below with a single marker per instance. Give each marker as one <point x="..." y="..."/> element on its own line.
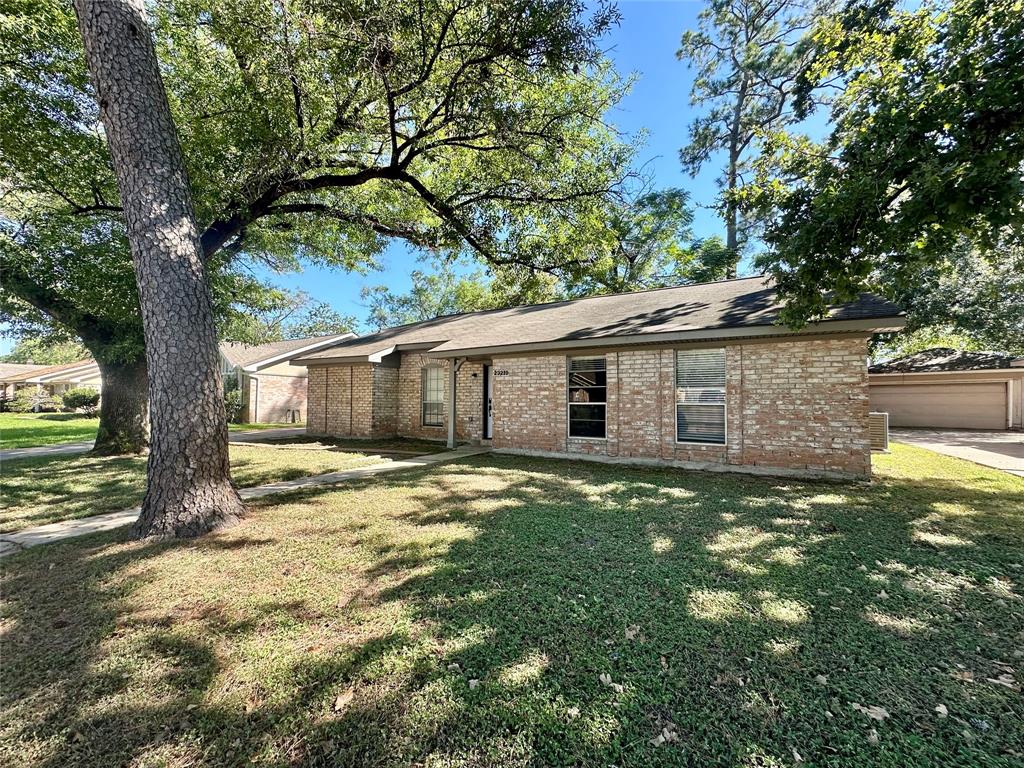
<point x="693" y="376"/>
<point x="273" y="390"/>
<point x="949" y="388"/>
<point x="11" y="375"/>
<point x="53" y="379"/>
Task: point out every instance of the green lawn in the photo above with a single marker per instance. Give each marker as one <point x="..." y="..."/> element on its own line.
<point x="250" y="427"/>
<point x="44" y="490"/>
<point x="519" y="612"/>
<point x="26" y="430"/>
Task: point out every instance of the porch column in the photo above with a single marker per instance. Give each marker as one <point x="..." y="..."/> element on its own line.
<point x="453" y="370"/>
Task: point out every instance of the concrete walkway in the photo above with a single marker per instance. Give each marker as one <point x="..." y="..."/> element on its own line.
<point x="1000" y="450"/>
<point x="69" y="529"/>
<point x="249" y="436"/>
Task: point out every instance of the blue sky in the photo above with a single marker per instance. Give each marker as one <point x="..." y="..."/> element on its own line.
<point x="644" y="44"/>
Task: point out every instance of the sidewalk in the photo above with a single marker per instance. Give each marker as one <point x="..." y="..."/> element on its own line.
<point x="249" y="436"/>
<point x="69" y="529"/>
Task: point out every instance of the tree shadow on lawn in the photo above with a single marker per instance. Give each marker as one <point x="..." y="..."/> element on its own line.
<point x="327" y="628"/>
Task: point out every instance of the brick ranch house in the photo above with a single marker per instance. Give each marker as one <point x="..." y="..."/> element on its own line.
<point x="273" y="390"/>
<point x="696" y="376"/>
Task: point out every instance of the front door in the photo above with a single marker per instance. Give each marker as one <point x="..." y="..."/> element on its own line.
<point x="488" y="403"/>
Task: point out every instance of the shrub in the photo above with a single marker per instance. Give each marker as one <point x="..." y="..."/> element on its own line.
<point x="83" y="399"/>
<point x="233" y="405"/>
<point x="34" y="401"/>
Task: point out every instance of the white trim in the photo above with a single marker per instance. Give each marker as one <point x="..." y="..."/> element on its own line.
<point x="254" y="367"/>
<point x="62" y="375"/>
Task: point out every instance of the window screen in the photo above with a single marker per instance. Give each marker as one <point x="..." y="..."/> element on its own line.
<point x="700" y="396"/>
<point x="432" y="396"/>
<point x="588" y="396"/>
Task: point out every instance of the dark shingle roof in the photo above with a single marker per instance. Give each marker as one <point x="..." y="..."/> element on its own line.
<point x="946" y="359"/>
<point x="727" y="304"/>
<point x="241" y="355"/>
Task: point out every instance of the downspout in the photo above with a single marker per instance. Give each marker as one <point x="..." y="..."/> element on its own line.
<point x="453" y="370"/>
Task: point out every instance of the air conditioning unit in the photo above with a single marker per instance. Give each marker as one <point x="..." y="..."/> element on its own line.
<point x="878" y="430"/>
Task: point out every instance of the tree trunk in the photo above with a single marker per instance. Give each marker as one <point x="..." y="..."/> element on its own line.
<point x="732" y="241"/>
<point x="124" y="409"/>
<point x="189" y="482"/>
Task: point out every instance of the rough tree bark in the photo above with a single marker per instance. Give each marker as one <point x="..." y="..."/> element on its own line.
<point x="189" y="482"/>
<point x="124" y="409"/>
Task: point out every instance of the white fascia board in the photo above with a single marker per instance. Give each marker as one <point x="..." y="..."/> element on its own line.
<point x="286" y="356"/>
<point x="64" y="375"/>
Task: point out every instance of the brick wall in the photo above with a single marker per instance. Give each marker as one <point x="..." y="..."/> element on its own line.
<point x="409" y="410"/>
<point x="529" y="402"/>
<point x="799" y="405"/>
<point x="468" y="395"/>
<point x="805" y="405"/>
<point x="268" y="398"/>
<point x="342" y="401"/>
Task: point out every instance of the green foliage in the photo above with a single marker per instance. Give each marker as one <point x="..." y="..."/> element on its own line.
<point x="233" y="403"/>
<point x="647" y="243"/>
<point x="34" y="401"/>
<point x="84" y="399"/>
<point x="967" y="299"/>
<point x="926" y="150"/>
<point x="42" y="351"/>
<point x="281" y="314"/>
<point x="747" y="55"/>
<point x="444" y="291"/>
<point x="313" y="133"/>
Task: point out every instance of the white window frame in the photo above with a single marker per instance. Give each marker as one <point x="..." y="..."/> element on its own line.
<point x="569" y="404"/>
<point x="724" y="404"/>
<point x="425" y="371"/>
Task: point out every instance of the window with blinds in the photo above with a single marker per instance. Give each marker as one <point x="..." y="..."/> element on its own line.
<point x="432" y="396"/>
<point x="588" y="396"/>
<point x="700" y="396"/>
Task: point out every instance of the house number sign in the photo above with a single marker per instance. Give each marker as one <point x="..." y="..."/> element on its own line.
<point x="502" y="372"/>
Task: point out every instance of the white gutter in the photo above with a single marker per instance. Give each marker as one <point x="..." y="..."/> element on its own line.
<point x="254" y="367"/>
<point x="66" y="374"/>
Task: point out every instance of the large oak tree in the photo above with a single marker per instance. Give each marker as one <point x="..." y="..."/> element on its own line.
<point x="189" y="489"/>
<point x="316" y="130"/>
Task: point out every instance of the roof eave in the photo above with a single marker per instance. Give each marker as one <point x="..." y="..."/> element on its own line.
<point x="287" y="356"/>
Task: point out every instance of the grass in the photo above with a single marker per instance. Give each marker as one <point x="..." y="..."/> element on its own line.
<point x="250" y="427"/>
<point x="26" y="430"/>
<point x="44" y="490"/>
<point x="511" y="612"/>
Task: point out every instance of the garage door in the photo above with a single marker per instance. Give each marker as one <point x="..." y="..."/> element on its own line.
<point x="951" y="406"/>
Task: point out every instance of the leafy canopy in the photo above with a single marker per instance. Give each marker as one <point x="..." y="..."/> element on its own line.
<point x="312" y="133"/>
<point x="926" y="150"/>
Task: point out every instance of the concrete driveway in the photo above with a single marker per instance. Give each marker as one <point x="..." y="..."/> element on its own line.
<point x="1000" y="450"/>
